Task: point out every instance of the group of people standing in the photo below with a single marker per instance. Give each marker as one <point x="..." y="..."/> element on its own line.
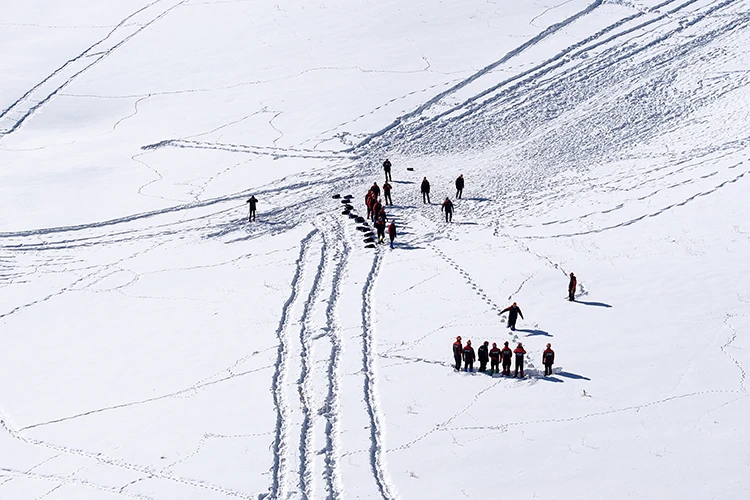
<point x="447" y="206"/>
<point x="376" y="210"/>
<point x="497" y="356"/>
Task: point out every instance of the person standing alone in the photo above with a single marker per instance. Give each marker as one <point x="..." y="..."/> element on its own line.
<point x="548" y="359"/>
<point x="572" y="284"/>
<point x="253" y="202"/>
<point x="392" y="232"/>
<point x="387" y="169"/>
<point x="459" y="186"/>
<point x="425" y="187"/>
<point x="387" y="193"/>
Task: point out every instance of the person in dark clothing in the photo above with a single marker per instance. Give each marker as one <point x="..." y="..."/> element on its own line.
<point x="448" y="209"/>
<point x="375" y="189"/>
<point x="392" y="232"/>
<point x="483" y="356"/>
<point x="548" y="359"/>
<point x="387" y="193"/>
<point x="458" y="351"/>
<point x="460" y="186"/>
<point x="252" y="202"/>
<point x="519" y="351"/>
<point x="380" y="226"/>
<point x="572" y="287"/>
<point x="469" y="357"/>
<point x="513" y="311"/>
<point x="376" y="208"/>
<point x="425" y="191"/>
<point x="387" y="168"/>
<point x="494" y="359"/>
<point x="506" y="354"/>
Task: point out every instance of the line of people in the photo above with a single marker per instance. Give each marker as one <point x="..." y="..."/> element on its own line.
<point x="495" y="356"/>
<point x="376" y="212"/>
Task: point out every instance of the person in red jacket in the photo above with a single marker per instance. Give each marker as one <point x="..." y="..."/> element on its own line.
<point x="469" y="357"/>
<point x="519" y="351"/>
<point x="572" y="287"/>
<point x="494" y="359"/>
<point x="548" y="359"/>
<point x="507" y="354"/>
<point x="458" y="351"/>
<point x="369" y="200"/>
<point x="392" y="232"/>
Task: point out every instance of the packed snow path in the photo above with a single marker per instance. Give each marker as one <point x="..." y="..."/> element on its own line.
<point x="166" y="348"/>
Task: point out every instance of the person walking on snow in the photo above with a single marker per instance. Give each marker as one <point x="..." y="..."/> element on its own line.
<point x="469" y="357"/>
<point x="483" y="356"/>
<point x="425" y="191"/>
<point x="387" y="193"/>
<point x="376" y="208"/>
<point x="375" y="189"/>
<point x="494" y="359"/>
<point x="380" y="226"/>
<point x="369" y="200"/>
<point x="448" y="209"/>
<point x="392" y="232"/>
<point x="458" y="351"/>
<point x="572" y="287"/>
<point x="253" y="202"/>
<point x="459" y="186"/>
<point x="506" y="354"/>
<point x="519" y="351"/>
<point x="548" y="359"/>
<point x="387" y="168"/>
<point x="513" y="312"/>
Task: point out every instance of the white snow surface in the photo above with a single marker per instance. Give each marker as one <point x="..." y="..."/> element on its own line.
<point x="156" y="345"/>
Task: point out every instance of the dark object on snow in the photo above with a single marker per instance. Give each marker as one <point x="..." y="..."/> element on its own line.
<point x="369" y="239"/>
<point x="459" y="186"/>
<point x="349" y="196"/>
<point x="252" y="202"/>
<point x="371" y="245"/>
<point x="344" y="201"/>
<point x="572" y="287"/>
<point x="363" y="228"/>
<point x="513" y="311"/>
<point x="348" y="207"/>
<point x="410" y="169"/>
<point x="425" y="188"/>
<point x="352" y="215"/>
<point x="360" y="220"/>
<point x="336" y="196"/>
<point x="345" y="212"/>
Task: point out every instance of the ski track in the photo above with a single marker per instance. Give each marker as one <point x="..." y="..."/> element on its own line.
<point x="279" y="472"/>
<point x="331" y="474"/>
<point x="12" y="117"/>
<point x="377" y="457"/>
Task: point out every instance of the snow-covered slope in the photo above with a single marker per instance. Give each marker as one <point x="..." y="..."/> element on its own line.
<point x="157" y="345"/>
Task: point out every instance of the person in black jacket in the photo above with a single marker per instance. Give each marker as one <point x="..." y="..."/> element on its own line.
<point x="253" y="201"/>
<point x="387" y="193"/>
<point x="425" y="191"/>
<point x="507" y="356"/>
<point x="448" y="209"/>
<point x="495" y="359"/>
<point x="483" y="356"/>
<point x="458" y="351"/>
<point x="387" y="168"/>
<point x="572" y="287"/>
<point x="513" y="312"/>
<point x="548" y="359"/>
<point x="469" y="357"/>
<point x="460" y="186"/>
